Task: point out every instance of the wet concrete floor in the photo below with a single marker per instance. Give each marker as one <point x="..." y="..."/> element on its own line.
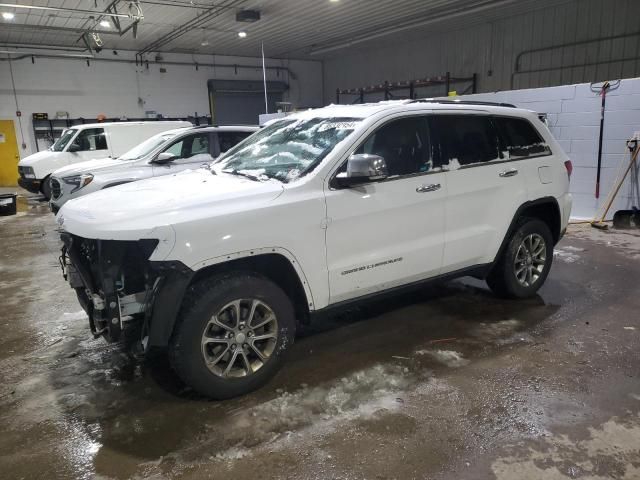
<point x="448" y="383"/>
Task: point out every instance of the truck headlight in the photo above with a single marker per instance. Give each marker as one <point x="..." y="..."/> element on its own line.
<point x="78" y="181"/>
<point x="27" y="172"/>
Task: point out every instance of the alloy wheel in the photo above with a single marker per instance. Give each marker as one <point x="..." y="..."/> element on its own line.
<point x="530" y="259"/>
<point x="240" y="338"/>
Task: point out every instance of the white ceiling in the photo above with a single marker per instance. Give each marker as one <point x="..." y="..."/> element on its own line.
<point x="288" y="28"/>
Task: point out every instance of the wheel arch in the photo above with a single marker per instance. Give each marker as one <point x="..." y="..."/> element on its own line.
<point x="276" y="264"/>
<point x="546" y="209"/>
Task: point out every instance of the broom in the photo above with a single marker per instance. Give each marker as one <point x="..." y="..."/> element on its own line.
<point x="612" y="196"/>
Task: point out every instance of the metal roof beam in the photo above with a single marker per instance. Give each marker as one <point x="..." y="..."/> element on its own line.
<point x="70" y="10"/>
<point x="29" y="26"/>
<point x="196" y="22"/>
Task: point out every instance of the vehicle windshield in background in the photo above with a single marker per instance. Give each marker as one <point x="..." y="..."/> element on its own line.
<point x="286" y="149"/>
<point x="62" y="142"/>
<point x="146" y="147"/>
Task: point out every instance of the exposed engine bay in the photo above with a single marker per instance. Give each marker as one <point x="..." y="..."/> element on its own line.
<point x="114" y="281"/>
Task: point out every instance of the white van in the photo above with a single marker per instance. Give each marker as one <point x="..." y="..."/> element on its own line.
<point x="86" y="142"/>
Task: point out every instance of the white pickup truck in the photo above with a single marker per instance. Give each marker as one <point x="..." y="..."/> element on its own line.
<point x="318" y="210"/>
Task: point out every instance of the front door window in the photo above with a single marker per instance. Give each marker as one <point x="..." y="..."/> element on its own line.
<point x="90" y="139"/>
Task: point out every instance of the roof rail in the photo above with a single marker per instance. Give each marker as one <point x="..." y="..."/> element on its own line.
<point x="464" y="102"/>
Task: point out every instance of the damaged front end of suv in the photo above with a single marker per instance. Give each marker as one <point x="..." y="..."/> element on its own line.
<point x="121" y="290"/>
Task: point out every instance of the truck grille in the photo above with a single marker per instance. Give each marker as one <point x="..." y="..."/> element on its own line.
<point x="56" y="191"/>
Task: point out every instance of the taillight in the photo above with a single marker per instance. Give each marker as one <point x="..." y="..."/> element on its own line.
<point x="569" y="166"/>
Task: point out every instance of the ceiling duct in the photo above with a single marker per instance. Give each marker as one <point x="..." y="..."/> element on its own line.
<point x="248" y="16"/>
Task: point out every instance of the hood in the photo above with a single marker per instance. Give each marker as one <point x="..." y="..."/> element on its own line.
<point x="90" y="166"/>
<point x="133" y="210"/>
<point x="36" y="157"/>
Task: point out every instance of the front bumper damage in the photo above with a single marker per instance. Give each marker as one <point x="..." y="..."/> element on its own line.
<point x="117" y="285"/>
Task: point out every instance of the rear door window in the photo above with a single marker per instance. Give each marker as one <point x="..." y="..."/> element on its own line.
<point x="229" y="140"/>
<point x="464" y="140"/>
<point x="520" y="139"/>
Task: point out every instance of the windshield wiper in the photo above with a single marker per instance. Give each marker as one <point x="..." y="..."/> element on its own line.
<point x="250" y="176"/>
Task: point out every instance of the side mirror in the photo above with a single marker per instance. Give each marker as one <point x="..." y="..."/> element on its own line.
<point x="164" y="157"/>
<point x="74" y="147"/>
<point x="363" y="168"/>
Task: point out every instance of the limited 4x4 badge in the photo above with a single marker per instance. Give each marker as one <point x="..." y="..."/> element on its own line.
<point x="372" y="265"/>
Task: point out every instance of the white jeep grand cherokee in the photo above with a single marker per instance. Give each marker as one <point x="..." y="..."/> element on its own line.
<point x="317" y="210"/>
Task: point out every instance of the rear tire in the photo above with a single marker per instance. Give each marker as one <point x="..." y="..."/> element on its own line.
<point x="232" y="334"/>
<point x="525" y="263"/>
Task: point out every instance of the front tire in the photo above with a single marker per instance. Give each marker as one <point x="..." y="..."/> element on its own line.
<point x="46" y="188"/>
<point x="525" y="263"/>
<point x="232" y="334"/>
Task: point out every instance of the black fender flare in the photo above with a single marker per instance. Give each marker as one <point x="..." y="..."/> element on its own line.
<point x="165" y="301"/>
<point x="519" y="213"/>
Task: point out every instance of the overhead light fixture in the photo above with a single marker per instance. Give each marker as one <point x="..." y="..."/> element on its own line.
<point x="204" y="43"/>
<point x="8" y="15"/>
<point x="242" y="34"/>
<point x="105" y="24"/>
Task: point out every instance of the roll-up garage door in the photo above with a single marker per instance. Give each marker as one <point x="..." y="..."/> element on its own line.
<point x="237" y="102"/>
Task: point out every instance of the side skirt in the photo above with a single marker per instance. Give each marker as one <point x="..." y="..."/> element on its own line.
<point x="477" y="271"/>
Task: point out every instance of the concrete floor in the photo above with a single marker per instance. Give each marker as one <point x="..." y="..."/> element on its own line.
<point x="451" y="383"/>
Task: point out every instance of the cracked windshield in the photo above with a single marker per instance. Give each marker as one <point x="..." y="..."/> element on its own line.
<point x="286" y="149"/>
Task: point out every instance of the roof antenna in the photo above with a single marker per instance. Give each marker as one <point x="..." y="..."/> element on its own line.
<point x="264" y="78"/>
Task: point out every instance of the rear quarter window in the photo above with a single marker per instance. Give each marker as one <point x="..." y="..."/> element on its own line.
<point x="520" y="139"/>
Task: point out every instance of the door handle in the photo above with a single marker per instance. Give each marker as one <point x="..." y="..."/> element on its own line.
<point x="428" y="188"/>
<point x="512" y="172"/>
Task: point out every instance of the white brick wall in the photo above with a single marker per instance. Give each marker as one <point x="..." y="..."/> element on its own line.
<point x="574" y="118"/>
